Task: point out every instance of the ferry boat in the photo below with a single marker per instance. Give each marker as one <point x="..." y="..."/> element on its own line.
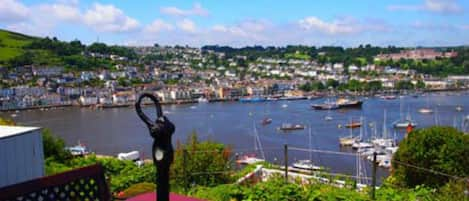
<point x="290" y="127"/>
<point x="340" y="103"/>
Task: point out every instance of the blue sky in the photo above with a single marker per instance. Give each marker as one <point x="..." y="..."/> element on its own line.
<point x="240" y="23"/>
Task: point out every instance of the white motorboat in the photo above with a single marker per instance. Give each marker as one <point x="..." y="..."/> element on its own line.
<point x="249" y="159"/>
<point x="361" y="145"/>
<point x="306" y="165"/>
<point x="425" y="110"/>
<point x="348" y="141"/>
<point x="405" y="124"/>
<point x="202" y="100"/>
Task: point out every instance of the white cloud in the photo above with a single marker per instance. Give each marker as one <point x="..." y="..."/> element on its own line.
<point x="342" y="26"/>
<point x="12" y="11"/>
<point x="157" y="26"/>
<point x="108" y="18"/>
<point x="247" y="29"/>
<point x="436" y="6"/>
<point x="187" y="25"/>
<point x="197" y="9"/>
<point x="61" y="11"/>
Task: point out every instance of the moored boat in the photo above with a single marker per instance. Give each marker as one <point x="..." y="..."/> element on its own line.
<point x="252" y="100"/>
<point x="290" y="127"/>
<point x="348" y="141"/>
<point x="266" y="121"/>
<point x="353" y="125"/>
<point x="425" y="110"/>
<point x="306" y="165"/>
<point x="249" y="159"/>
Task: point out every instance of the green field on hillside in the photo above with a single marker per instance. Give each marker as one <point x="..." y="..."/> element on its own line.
<point x="11" y="44"/>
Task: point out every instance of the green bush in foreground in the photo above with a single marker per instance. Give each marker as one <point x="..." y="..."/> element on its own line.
<point x="442" y="149"/>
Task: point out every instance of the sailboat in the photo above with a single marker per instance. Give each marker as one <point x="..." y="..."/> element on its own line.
<point x="307" y="164"/>
<point x="348" y="140"/>
<point x="384" y="140"/>
<point x="328" y="117"/>
<point x="252" y="158"/>
<point x="404" y="122"/>
<point x="360" y="144"/>
<point x="427" y="109"/>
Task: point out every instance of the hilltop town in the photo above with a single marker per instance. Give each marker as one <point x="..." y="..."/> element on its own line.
<point x="43" y="75"/>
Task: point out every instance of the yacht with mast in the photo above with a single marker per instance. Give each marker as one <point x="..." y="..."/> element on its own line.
<point x="252" y="158"/>
<point x="404" y="122"/>
<point x="307" y="164"/>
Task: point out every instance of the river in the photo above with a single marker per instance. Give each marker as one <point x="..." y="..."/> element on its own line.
<point x="110" y="131"/>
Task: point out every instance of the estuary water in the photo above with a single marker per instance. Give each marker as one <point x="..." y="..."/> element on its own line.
<point x="115" y="130"/>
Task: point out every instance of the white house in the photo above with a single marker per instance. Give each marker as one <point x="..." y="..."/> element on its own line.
<point x="21" y="154"/>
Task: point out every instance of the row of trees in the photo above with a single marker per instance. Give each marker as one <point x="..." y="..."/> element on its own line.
<point x="355" y="85"/>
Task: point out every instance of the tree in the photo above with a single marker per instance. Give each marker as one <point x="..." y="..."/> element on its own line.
<point x="54" y="147"/>
<point x="404" y="85"/>
<point x="442" y="149"/>
<point x="332" y="83"/>
<point x="202" y="160"/>
<point x="420" y="84"/>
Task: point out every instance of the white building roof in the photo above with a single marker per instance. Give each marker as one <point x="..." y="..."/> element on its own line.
<point x="9" y="131"/>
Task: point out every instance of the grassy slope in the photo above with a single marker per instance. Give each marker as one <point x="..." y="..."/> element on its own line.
<point x="11" y="44"/>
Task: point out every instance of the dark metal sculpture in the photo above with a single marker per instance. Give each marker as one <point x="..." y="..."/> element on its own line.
<point x="161" y="131"/>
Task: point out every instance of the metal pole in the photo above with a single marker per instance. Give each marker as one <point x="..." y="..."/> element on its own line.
<point x="286" y="161"/>
<point x="184" y="170"/>
<point x="373" y="181"/>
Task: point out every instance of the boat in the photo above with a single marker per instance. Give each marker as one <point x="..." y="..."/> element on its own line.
<point x="252" y="157"/>
<point x="14" y="115"/>
<point x="306" y="165"/>
<point x="284" y="105"/>
<point x="325" y="106"/>
<point x="361" y="145"/>
<point x="291" y="127"/>
<point x="338" y="104"/>
<point x="252" y="100"/>
<point x="353" y="125"/>
<point x="347" y="103"/>
<point x="404" y="122"/>
<point x="328" y="118"/>
<point x="249" y="159"/>
<point x="389" y="97"/>
<point x="459" y="108"/>
<point x="202" y="100"/>
<point x="293" y="98"/>
<point x="78" y="150"/>
<point x="348" y="140"/>
<point x="266" y="121"/>
<point x="425" y="110"/>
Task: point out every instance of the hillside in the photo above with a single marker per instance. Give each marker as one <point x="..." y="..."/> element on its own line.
<point x="11" y="44"/>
